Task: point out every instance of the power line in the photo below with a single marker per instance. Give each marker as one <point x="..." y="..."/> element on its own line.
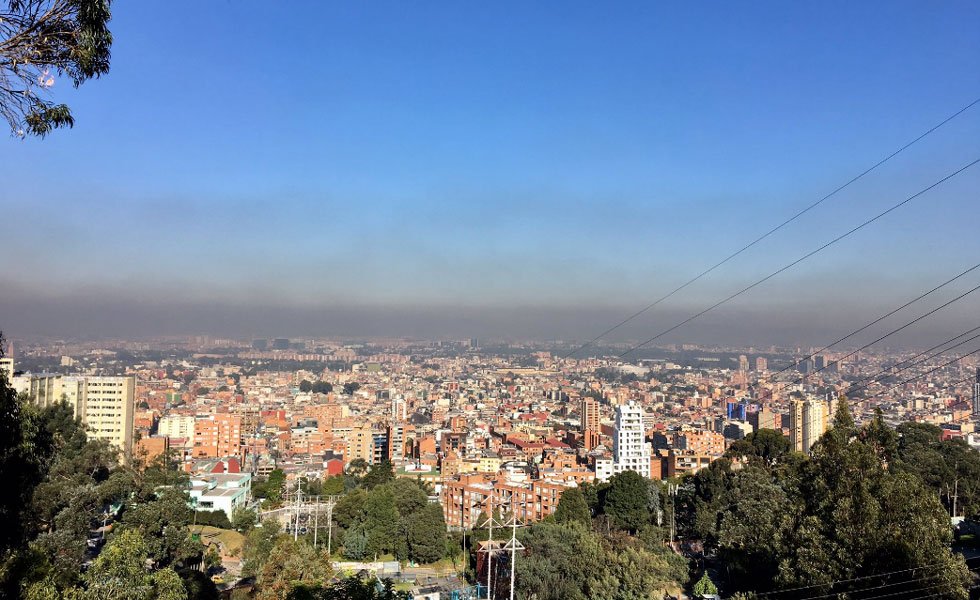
<point x="921" y="375"/>
<point x="804" y="257"/>
<point x="771" y="231"/>
<point x="937" y="346"/>
<point x="879" y="319"/>
<point x="909" y="591"/>
<point x="893" y="371"/>
<point x="922" y="579"/>
<point x="894" y="331"/>
<point x="862" y="578"/>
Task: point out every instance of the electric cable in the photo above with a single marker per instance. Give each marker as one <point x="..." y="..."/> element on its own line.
<point x="878" y="320"/>
<point x="792" y="264"/>
<point x="771" y="231"/>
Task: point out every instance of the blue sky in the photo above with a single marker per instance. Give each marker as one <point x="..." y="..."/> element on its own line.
<point x="504" y="156"/>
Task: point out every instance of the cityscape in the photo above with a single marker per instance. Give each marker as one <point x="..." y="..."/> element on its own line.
<point x="327" y="301"/>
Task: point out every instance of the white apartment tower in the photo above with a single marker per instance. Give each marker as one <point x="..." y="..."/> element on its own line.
<point x="106" y="405"/>
<point x="630" y="449"/>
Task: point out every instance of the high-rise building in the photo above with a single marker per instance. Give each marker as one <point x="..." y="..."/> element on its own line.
<point x="360" y="444"/>
<point x="399" y="409"/>
<point x="809" y="419"/>
<point x="976" y="395"/>
<point x="630" y="449"/>
<point x="736" y="410"/>
<point x="761" y="364"/>
<point x="743" y="363"/>
<point x="589" y="414"/>
<point x="106" y="405"/>
<point x="379" y="447"/>
<point x="764" y="419"/>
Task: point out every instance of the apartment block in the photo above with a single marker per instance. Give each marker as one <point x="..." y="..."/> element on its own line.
<point x="177" y="426"/>
<point x="217" y="435"/>
<point x="631" y="452"/>
<point x="465" y="497"/>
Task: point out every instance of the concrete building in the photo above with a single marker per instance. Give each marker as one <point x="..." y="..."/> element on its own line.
<point x="42" y="389"/>
<point x="589" y="414"/>
<point x="177" y="426"/>
<point x="360" y="444"/>
<point x="220" y="491"/>
<point x="809" y="419"/>
<point x="104" y="404"/>
<point x="218" y="435"/>
<point x="631" y="452"/>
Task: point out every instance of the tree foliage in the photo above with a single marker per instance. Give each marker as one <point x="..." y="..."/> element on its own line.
<point x="351" y="588"/>
<point x="950" y="468"/>
<point x="626" y="500"/>
<point x="570" y="561"/>
<point x="704" y="587"/>
<point x="572" y="508"/>
<point x="846" y="513"/>
<point x="39" y="41"/>
<point x="291" y="563"/>
<point x="426" y="529"/>
<point x="258" y="545"/>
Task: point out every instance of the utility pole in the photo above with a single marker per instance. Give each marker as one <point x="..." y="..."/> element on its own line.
<point x="672" y="492"/>
<point x="299" y="500"/>
<point x="330" y="503"/>
<point x="489" y="549"/>
<point x="316" y="521"/>
<point x="956" y="485"/>
<point x="513" y="545"/>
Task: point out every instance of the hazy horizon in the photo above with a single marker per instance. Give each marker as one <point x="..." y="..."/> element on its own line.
<point x="498" y="171"/>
